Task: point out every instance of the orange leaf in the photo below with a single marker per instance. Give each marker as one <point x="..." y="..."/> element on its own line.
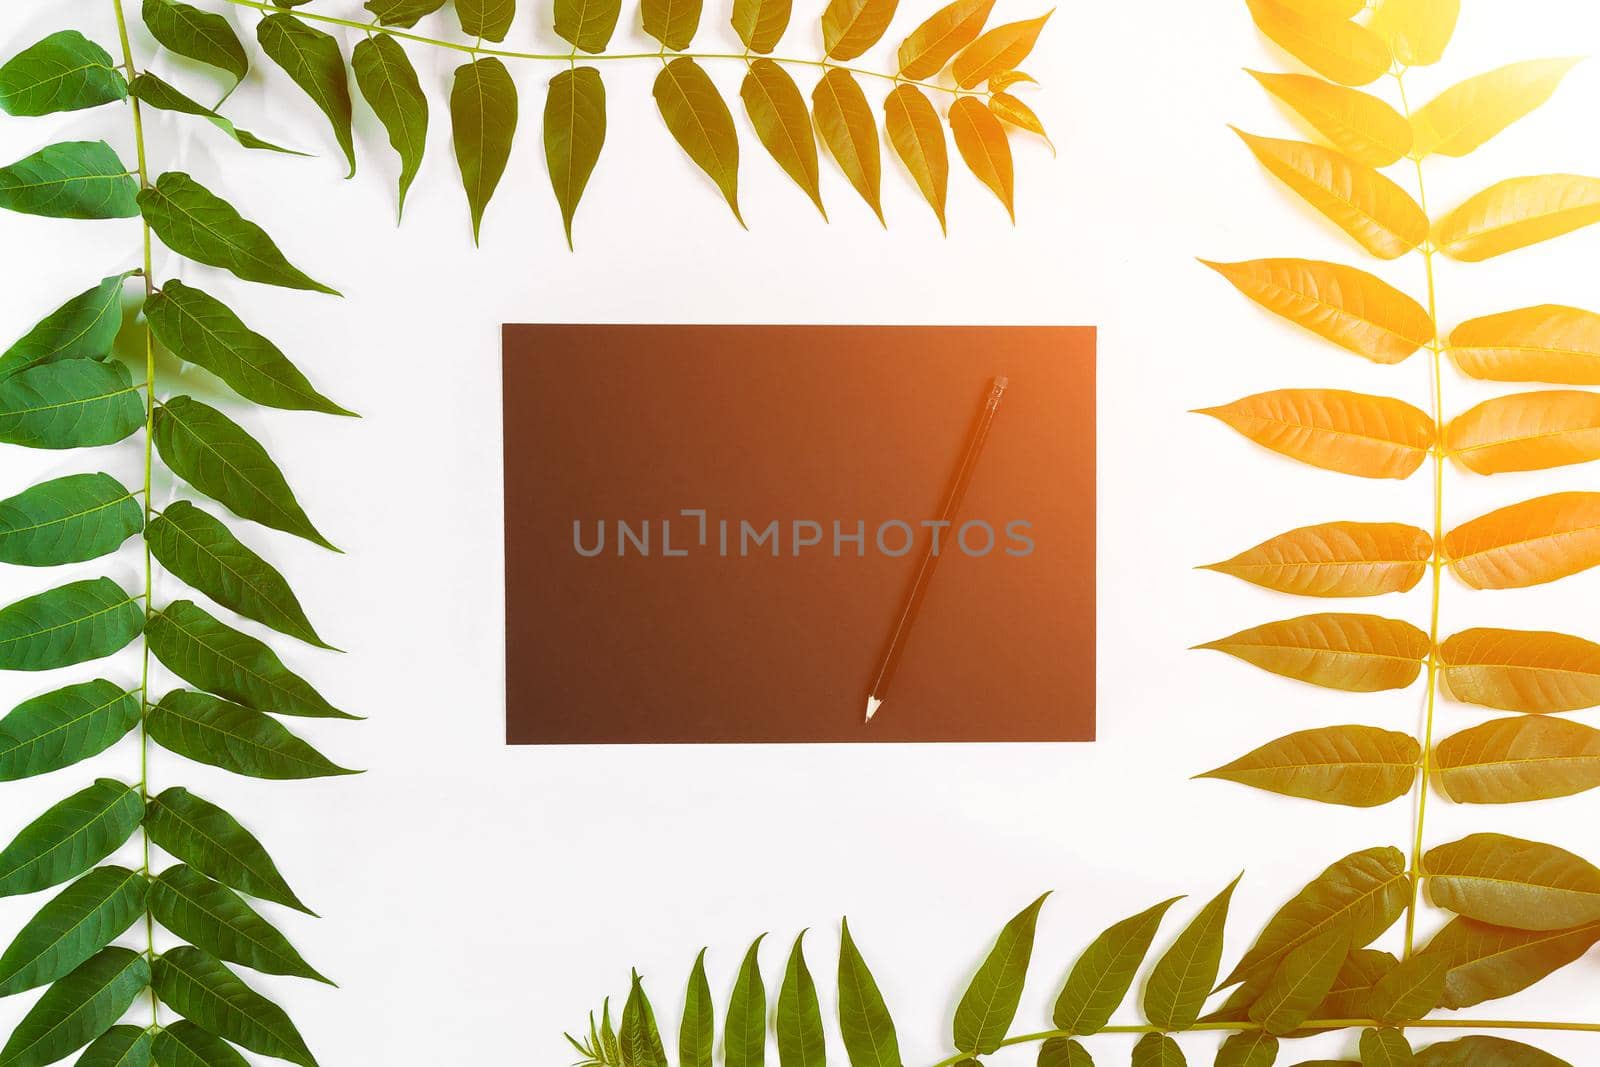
<point x="850" y="27"/>
<point x="1510" y="761"/>
<point x="1357" y="766"/>
<point x="1361" y="126"/>
<point x="1326" y="9"/>
<point x="1356" y="653"/>
<point x="1463" y="117"/>
<point x="851" y="133"/>
<point x="1532" y="671"/>
<point x="1526" y="544"/>
<point x="981" y="140"/>
<point x="1548" y="343"/>
<point x="1336" y="559"/>
<point x="997" y="51"/>
<point x="1349" y="307"/>
<point x="918" y="139"/>
<point x="1008" y="108"/>
<point x="1527" y="432"/>
<point x="1335" y="48"/>
<point x="1006" y="79"/>
<point x="1417" y="31"/>
<point x="1353" y="433"/>
<point x="947" y="31"/>
<point x="1377" y="213"/>
<point x="1517" y="213"/>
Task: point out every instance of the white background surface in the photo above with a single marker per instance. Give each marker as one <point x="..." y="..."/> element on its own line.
<point x="479" y="899"/>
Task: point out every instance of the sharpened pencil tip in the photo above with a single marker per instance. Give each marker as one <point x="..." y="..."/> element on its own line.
<point x="873" y="704"/>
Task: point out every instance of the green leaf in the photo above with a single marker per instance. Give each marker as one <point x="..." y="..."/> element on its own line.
<point x="1254" y="1048"/>
<point x="204" y="553"/>
<point x="313" y="61"/>
<point x="1351" y="995"/>
<point x="701" y="124"/>
<point x="80" y="921"/>
<point x="84" y="327"/>
<point x="1157" y="1050"/>
<point x="196" y="34"/>
<point x="74" y="403"/>
<point x="587" y="24"/>
<point x="212" y="842"/>
<point x="121" y="1046"/>
<point x="744" y="1035"/>
<point x="1488" y="962"/>
<point x="70" y="180"/>
<point x="200" y="988"/>
<point x="574" y="133"/>
<point x="221" y="660"/>
<point x="64" y="72"/>
<point x="760" y="23"/>
<point x="402" y="12"/>
<point x="483" y="117"/>
<point x="200" y="329"/>
<point x="782" y="122"/>
<point x="389" y="82"/>
<point x="990" y="1002"/>
<point x="1064" y="1052"/>
<point x="1105" y="972"/>
<point x="70" y="838"/>
<point x="864" y="1020"/>
<point x="850" y="130"/>
<point x="489" y="19"/>
<point x="1187" y="972"/>
<point x="1410" y="991"/>
<point x="698" y="1033"/>
<point x="640" y="1042"/>
<point x="799" y="1020"/>
<point x="1368" y="889"/>
<point x="1302" y="980"/>
<point x="73" y="623"/>
<point x="238" y="739"/>
<point x="214" y="454"/>
<point x="67" y="520"/>
<point x="183" y="1044"/>
<point x="1385" y="1048"/>
<point x="77" y="1009"/>
<point x="63" y="727"/>
<point x="214" y="918"/>
<point x="1486" y="1052"/>
<point x="199" y="225"/>
<point x="158" y="94"/>
<point x="672" y="22"/>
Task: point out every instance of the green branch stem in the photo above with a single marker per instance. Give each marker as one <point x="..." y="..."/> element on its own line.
<point x="571" y="56"/>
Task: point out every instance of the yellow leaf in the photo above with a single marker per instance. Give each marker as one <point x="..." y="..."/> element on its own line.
<point x="1336" y="559"/>
<point x="760" y="23"/>
<point x="782" y="123"/>
<point x="1343" y="51"/>
<point x="997" y="51"/>
<point x="851" y="133"/>
<point x="1326" y="9"/>
<point x="1377" y="213"/>
<point x="1008" y="108"/>
<point x="1548" y="343"/>
<point x="701" y="124"/>
<point x="1356" y="766"/>
<point x="918" y="139"/>
<point x="1532" y="671"/>
<point x="1530" y="543"/>
<point x="1517" y="213"/>
<point x="1511" y="761"/>
<point x="850" y="27"/>
<point x="1349" y="307"/>
<point x="1417" y="31"/>
<point x="947" y="31"/>
<point x="1527" y="432"/>
<point x="1356" y="653"/>
<point x="1361" y="126"/>
<point x="981" y="140"/>
<point x="1488" y="962"/>
<point x="1352" y="433"/>
<point x="1006" y="79"/>
<point x="1507" y="881"/>
<point x="1463" y="117"/>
